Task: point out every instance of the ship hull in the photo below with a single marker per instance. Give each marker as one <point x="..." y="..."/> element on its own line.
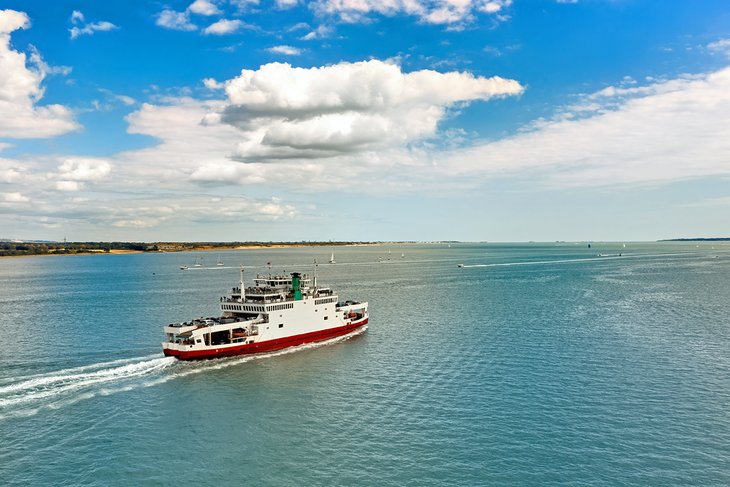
<point x="266" y="345"/>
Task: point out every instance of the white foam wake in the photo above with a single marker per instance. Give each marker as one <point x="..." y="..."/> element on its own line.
<point x="48" y="390"/>
<point x="575" y="260"/>
<point x="29" y="395"/>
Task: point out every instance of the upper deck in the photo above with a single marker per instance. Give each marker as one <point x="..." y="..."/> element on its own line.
<point x="277" y="289"/>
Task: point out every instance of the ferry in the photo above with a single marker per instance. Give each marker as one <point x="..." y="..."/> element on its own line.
<point x="278" y="311"/>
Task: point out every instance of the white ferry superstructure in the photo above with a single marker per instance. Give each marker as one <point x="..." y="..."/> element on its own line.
<point x="278" y="311"/>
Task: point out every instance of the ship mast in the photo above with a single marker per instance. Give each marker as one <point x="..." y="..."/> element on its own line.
<point x="243" y="289"/>
<point x="314" y="274"/>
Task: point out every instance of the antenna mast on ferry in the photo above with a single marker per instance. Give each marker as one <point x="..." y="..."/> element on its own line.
<point x="314" y="275"/>
<point x="243" y="289"/>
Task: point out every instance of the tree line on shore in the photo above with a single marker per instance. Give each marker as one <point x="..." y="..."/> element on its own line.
<point x="8" y="248"/>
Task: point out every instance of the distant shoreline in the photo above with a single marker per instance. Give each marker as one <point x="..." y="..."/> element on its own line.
<point x="698" y="239"/>
<point x="107" y="248"/>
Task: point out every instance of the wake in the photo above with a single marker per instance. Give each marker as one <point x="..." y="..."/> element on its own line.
<point x="29" y="395"/>
<point x="577" y="260"/>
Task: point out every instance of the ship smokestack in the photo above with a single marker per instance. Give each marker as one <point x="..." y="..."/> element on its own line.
<point x="296" y="286"/>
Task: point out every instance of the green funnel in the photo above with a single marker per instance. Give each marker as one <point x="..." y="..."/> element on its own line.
<point x="296" y="286"/>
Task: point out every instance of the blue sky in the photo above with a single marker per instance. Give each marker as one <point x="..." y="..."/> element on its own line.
<point x="496" y="120"/>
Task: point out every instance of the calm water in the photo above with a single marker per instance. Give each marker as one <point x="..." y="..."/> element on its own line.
<point x="535" y="364"/>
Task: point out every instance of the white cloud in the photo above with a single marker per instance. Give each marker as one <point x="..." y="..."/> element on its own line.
<point x="20" y="88"/>
<point x="429" y="11"/>
<point x="137" y="223"/>
<point x="81" y="27"/>
<point x="212" y="84"/>
<point x="170" y="19"/>
<point x="243" y="5"/>
<point x="204" y="7"/>
<point x="84" y="169"/>
<point x="127" y="100"/>
<point x="223" y="27"/>
<point x="124" y="99"/>
<point x="284" y="4"/>
<point x="188" y="137"/>
<point x="15" y="198"/>
<point x="319" y="33"/>
<point x="286" y="50"/>
<point x="722" y="46"/>
<point x="285" y="112"/>
<point x="68" y="185"/>
<point x="89" y="29"/>
<point x="668" y="131"/>
<point x="73" y="172"/>
<point x="9" y="171"/>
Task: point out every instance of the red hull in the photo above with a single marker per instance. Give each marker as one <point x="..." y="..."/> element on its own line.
<point x="267" y="346"/>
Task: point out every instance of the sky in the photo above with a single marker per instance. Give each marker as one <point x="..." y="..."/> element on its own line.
<point x="364" y="120"/>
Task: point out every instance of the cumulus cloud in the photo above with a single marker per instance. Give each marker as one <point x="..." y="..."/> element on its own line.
<point x="428" y="11"/>
<point x="171" y="19"/>
<point x="285" y="50"/>
<point x="667" y="131"/>
<point x="204" y="7"/>
<point x="20" y="89"/>
<point x="72" y="173"/>
<point x="285" y="112"/>
<point x="223" y="27"/>
<point x="81" y="27"/>
<point x="84" y="169"/>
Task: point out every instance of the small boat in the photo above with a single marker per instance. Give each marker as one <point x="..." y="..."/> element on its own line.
<point x="402" y="255"/>
<point x="460" y="265"/>
<point x="220" y="262"/>
<point x="332" y="258"/>
<point x="198" y="263"/>
<point x="183" y="267"/>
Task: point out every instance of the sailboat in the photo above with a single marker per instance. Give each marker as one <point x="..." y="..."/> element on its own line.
<point x="198" y="263"/>
<point x="220" y="262"/>
<point x="332" y="258"/>
<point x="195" y="264"/>
<point x="402" y="255"/>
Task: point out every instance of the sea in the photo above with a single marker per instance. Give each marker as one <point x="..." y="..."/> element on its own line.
<point x="483" y="364"/>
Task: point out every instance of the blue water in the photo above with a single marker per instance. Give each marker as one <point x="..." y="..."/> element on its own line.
<point x="534" y="364"/>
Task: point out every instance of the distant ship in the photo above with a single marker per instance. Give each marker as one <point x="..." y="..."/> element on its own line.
<point x="277" y="312"/>
<point x="332" y="259"/>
